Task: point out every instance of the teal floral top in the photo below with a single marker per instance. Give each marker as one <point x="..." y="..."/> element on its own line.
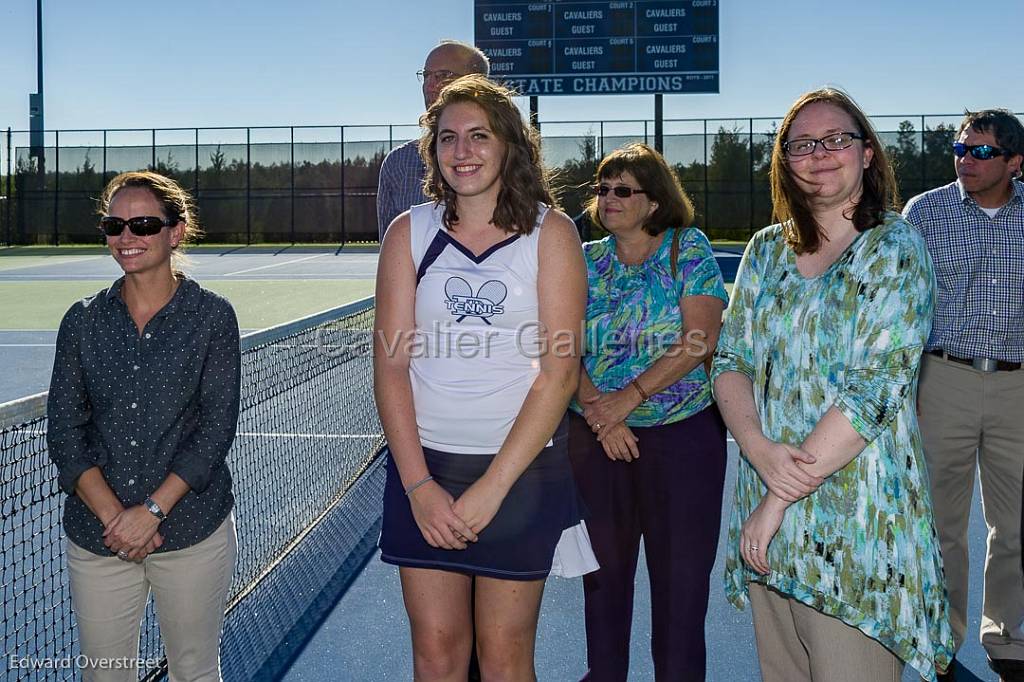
<point x="633" y="316"/>
<point x="862" y="547"/>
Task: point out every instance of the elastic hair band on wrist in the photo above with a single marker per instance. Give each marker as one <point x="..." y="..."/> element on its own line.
<point x="644" y="397"/>
<point x="417" y="484"/>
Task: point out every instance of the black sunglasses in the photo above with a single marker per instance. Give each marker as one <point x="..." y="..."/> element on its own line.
<point x="621" y="191"/>
<point x="982" y="152"/>
<point x="141" y="226"/>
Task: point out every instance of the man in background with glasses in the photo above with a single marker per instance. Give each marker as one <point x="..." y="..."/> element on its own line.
<point x="401" y="174"/>
<point x="971" y="390"/>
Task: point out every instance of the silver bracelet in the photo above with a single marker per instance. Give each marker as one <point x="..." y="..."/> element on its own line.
<point x="417" y="484"/>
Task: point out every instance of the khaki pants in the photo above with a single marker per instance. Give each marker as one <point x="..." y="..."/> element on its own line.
<point x="975" y="419"/>
<point x="796" y="643"/>
<point x="190" y="587"/>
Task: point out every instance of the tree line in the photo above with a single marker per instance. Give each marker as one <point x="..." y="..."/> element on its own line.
<point x="331" y="200"/>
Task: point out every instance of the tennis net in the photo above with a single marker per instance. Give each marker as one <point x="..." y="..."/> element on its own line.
<point x="307" y="483"/>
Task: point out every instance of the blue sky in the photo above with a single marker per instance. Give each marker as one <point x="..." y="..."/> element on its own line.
<point x="121" y="64"/>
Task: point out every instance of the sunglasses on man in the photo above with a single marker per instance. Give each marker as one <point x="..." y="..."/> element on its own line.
<point x="982" y="152"/>
<point x="140" y="226"/>
<point x="621" y="191"/>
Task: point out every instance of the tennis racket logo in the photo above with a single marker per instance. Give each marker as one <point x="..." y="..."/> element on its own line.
<point x="487" y="302"/>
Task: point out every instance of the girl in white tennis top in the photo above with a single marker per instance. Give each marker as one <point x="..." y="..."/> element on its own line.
<point x="480" y="296"/>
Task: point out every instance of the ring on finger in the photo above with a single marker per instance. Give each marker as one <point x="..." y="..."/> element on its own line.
<point x="598" y="426"/>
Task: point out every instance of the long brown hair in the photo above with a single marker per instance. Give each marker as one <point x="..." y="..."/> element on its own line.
<point x="790" y="204"/>
<point x="177" y="205"/>
<point x="658" y="181"/>
<point x="524" y="182"/>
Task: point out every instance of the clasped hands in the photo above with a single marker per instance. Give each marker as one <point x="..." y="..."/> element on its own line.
<point x="778" y="465"/>
<point x="605" y="414"/>
<point x="132" y="534"/>
<point x="452" y="524"/>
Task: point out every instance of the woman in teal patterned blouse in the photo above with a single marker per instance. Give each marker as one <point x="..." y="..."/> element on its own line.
<point x="831" y="534"/>
<point x="646" y="442"/>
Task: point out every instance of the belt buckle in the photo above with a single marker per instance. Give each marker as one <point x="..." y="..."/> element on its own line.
<point x="985" y="364"/>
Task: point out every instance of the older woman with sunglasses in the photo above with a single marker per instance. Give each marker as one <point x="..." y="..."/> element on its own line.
<point x="647" y="444"/>
<point x="831" y="536"/>
<point x="142" y="411"/>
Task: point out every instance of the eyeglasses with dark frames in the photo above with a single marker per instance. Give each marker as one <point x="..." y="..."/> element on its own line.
<point x="982" y="152"/>
<point x="140" y="226"/>
<point x="802" y="146"/>
<point x="442" y="75"/>
<point x="621" y="191"/>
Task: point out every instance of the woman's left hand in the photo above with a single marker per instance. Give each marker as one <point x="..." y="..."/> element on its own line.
<point x="479" y="503"/>
<point x="606" y="409"/>
<point x="131" y="529"/>
<point x="758" y="531"/>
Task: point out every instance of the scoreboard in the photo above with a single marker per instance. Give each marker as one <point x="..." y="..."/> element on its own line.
<point x="580" y="48"/>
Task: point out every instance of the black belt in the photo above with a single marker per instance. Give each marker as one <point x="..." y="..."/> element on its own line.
<point x="983" y="364"/>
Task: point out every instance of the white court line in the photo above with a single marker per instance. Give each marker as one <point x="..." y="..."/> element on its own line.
<point x="72" y="259"/>
<point x="316" y="436"/>
<point x="276" y="265"/>
<point x="27" y="345"/>
<point x="319" y="436"/>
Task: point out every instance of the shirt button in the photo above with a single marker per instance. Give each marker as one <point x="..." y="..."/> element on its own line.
<point x="134" y="405"/>
<point x="134" y="443"/>
<point x="148" y="335"/>
<point x="994" y="312"/>
<point x="131" y="481"/>
<point x="135" y="368"/>
<point x="993" y="280"/>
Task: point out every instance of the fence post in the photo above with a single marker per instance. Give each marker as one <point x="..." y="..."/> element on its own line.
<point x="750" y="200"/>
<point x="924" y="162"/>
<point x="707" y="198"/>
<point x="602" y="143"/>
<point x="248" y="187"/>
<point x="195" y="171"/>
<point x="343" y="235"/>
<point x="56" y="185"/>
<point x="152" y="147"/>
<point x="104" y="176"/>
<point x="292" y="184"/>
<point x="196" y="167"/>
<point x="9" y="195"/>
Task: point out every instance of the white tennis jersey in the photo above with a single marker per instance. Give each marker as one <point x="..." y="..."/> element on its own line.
<point x="476" y="353"/>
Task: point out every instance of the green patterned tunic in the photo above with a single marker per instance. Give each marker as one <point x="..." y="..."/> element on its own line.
<point x="863" y="546"/>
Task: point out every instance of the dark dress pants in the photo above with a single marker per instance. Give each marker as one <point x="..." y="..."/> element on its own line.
<point x="672" y="498"/>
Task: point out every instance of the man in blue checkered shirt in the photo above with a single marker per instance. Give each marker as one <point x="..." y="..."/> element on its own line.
<point x="401" y="174"/>
<point x="971" y="391"/>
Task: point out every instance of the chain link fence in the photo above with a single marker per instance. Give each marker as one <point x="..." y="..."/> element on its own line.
<point x="319" y="184"/>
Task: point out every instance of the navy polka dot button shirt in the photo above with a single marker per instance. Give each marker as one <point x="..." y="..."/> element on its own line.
<point x="142" y="406"/>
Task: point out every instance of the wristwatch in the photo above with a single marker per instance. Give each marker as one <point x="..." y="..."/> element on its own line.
<point x="154" y="508"/>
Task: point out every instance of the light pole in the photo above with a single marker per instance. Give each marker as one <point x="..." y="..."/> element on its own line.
<point x="35" y="100"/>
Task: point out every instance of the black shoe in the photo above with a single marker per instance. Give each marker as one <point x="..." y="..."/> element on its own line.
<point x="1008" y="669"/>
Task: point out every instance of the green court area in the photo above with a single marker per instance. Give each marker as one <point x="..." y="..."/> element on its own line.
<point x="259" y="303"/>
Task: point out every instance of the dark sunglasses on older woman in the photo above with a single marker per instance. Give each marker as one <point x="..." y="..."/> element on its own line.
<point x="621" y="191"/>
<point x="982" y="152"/>
<point x="141" y="226"/>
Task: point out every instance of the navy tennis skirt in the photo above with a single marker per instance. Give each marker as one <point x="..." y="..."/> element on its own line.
<point x="518" y="544"/>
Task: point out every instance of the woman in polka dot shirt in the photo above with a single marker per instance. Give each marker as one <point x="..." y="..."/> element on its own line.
<point x="142" y="411"/>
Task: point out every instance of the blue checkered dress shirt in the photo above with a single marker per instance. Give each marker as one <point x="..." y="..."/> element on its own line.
<point x="979" y="270"/>
<point x="400" y="185"/>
